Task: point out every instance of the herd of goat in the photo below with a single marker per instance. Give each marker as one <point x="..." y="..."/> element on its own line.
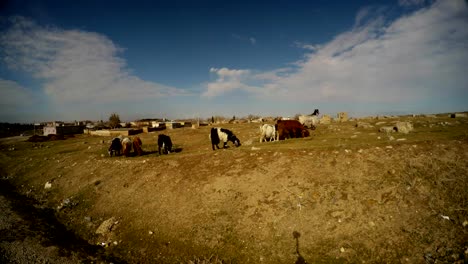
<point x="283" y="129"/>
<point x="120" y="145"/>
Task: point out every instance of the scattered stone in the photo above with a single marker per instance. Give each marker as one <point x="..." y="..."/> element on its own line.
<point x="103" y="244"/>
<point x="89" y="147"/>
<point x="106" y="226"/>
<point x="354" y="136"/>
<point x="371" y="224"/>
<point x="255" y="148"/>
<point x="48" y="185"/>
<point x="342" y="117"/>
<point x="337" y="214"/>
<point x="248" y="142"/>
<point x="415" y="146"/>
<point x="389" y="147"/>
<point x="391" y="138"/>
<point x="102" y="155"/>
<point x="150" y="232"/>
<point x="347" y="151"/>
<point x="380" y="123"/>
<point x="363" y="125"/>
<point x="342" y="249"/>
<point x="326" y="119"/>
<point x="359" y="151"/>
<point x="386" y="129"/>
<point x="378" y="137"/>
<point x="401" y="139"/>
<point x="87" y="218"/>
<point x="445" y="217"/>
<point x="65" y="203"/>
<point x="404" y="127"/>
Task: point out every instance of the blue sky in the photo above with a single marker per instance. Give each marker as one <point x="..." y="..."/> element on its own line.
<point x="75" y="60"/>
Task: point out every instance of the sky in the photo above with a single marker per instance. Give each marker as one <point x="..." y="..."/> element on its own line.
<point x="83" y="60"/>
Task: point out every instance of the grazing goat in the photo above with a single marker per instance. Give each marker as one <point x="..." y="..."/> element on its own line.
<point x="220" y="134"/>
<point x="164" y="143"/>
<point x="115" y="147"/>
<point x="290" y="129"/>
<point x="137" y="146"/>
<point x="310" y="121"/>
<point x="126" y="146"/>
<point x="267" y="132"/>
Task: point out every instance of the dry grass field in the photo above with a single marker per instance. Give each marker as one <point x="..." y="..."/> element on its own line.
<point x="343" y="195"/>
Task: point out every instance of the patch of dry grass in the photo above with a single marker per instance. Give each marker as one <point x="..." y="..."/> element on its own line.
<point x="342" y="187"/>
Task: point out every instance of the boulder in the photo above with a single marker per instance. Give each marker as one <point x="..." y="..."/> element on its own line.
<point x="106" y="226"/>
<point x="403" y="127"/>
<point x="342" y="117"/>
<point x="387" y="129"/>
<point x="326" y="119"/>
<point x="363" y="125"/>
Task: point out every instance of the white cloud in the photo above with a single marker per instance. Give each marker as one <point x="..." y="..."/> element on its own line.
<point x="417" y="57"/>
<point x="227" y="80"/>
<point x="17" y="103"/>
<point x="75" y="65"/>
<point x="13" y="95"/>
<point x="310" y="47"/>
<point x="407" y="3"/>
<point x="253" y="40"/>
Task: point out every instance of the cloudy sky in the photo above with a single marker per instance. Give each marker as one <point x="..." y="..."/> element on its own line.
<point x="76" y="60"/>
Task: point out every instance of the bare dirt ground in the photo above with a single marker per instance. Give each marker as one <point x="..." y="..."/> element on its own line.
<point x="343" y="195"/>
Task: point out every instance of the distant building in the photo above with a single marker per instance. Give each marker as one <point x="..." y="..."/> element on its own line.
<point x="59" y="128"/>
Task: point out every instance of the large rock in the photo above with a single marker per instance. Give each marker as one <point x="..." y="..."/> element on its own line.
<point x="342" y="117"/>
<point x="326" y="119"/>
<point x="106" y="226"/>
<point x="363" y="125"/>
<point x="404" y="127"/>
<point x="387" y="129"/>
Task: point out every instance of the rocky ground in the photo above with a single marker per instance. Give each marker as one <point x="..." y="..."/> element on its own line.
<point x="349" y="193"/>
